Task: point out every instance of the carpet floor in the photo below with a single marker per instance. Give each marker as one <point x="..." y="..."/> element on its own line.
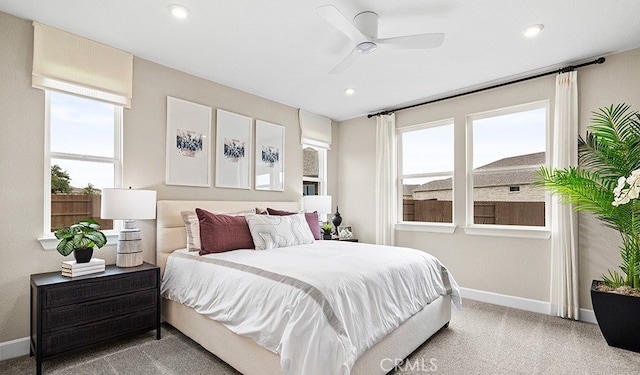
<point x="481" y="339"/>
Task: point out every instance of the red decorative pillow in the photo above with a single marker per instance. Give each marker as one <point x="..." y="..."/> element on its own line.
<point x="219" y="233"/>
<point x="312" y="220"/>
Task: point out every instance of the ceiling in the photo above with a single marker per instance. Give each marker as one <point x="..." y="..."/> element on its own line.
<point x="283" y="50"/>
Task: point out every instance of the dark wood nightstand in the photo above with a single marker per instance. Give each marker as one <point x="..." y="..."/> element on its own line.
<point x="348" y="240"/>
<point x="71" y="313"/>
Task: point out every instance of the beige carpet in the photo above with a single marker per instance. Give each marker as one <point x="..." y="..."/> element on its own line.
<point x="481" y="339"/>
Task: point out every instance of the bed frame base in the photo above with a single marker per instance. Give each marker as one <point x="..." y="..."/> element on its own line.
<point x="243" y="354"/>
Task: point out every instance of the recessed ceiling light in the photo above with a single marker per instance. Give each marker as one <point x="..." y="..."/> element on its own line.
<point x="532" y="30"/>
<point x="179" y="11"/>
<point x="350" y="91"/>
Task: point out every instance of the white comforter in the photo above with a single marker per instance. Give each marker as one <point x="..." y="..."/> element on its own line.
<point x="319" y="306"/>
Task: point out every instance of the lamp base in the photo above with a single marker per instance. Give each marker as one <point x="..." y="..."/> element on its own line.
<point x="129" y="251"/>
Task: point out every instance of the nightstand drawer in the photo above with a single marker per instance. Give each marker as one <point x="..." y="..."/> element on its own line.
<point x="97" y="310"/>
<point x="97" y="288"/>
<point x="79" y="336"/>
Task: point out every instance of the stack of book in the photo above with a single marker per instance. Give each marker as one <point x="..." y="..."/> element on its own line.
<point x="71" y="268"/>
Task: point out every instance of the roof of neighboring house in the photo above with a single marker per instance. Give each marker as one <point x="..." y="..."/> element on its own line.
<point x="497" y="178"/>
<point x="517" y="161"/>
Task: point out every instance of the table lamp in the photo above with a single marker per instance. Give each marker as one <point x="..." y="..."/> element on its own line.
<point x="318" y="203"/>
<point x="128" y="205"/>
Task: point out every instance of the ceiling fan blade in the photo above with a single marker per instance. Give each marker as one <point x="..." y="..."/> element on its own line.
<point x="420" y="41"/>
<point x="332" y="15"/>
<point x="346" y="63"/>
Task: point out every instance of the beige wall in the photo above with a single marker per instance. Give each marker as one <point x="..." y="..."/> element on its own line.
<point x="510" y="266"/>
<point x="22" y="157"/>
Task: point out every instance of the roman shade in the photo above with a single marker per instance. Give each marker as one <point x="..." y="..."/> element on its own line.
<point x="69" y="63"/>
<point x="315" y="130"/>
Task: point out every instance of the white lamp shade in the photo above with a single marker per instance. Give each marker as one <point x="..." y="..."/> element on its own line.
<point x="318" y="203"/>
<point x="128" y="204"/>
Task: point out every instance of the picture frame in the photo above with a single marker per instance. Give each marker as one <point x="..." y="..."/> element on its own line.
<point x="233" y="150"/>
<point x="188" y="147"/>
<point x="269" y="156"/>
<point x="345" y="232"/>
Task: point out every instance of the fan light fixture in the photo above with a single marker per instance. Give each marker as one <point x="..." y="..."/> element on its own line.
<point x="349" y="91"/>
<point x="179" y="11"/>
<point x="366" y="47"/>
<point x="533" y="30"/>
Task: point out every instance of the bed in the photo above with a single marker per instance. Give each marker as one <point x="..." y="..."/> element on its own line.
<point x="243" y="352"/>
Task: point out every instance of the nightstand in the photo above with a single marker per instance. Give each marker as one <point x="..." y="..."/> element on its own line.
<point x="72" y="313"/>
<point x="347" y="240"/>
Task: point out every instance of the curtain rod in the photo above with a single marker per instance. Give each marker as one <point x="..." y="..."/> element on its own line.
<point x="558" y="71"/>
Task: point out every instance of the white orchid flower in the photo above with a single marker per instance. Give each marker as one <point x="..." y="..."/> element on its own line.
<point x="622" y="195"/>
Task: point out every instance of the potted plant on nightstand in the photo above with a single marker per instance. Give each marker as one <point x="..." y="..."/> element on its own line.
<point x="608" y="184"/>
<point x="80" y="238"/>
<point x="326" y="231"/>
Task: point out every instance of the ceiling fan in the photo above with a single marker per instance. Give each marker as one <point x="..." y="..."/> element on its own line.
<point x="363" y="31"/>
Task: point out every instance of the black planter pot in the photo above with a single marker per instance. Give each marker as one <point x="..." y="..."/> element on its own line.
<point x="618" y="317"/>
<point x="326" y="236"/>
<point x="83" y="256"/>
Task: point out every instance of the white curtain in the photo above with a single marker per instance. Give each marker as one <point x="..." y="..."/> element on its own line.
<point x="386" y="186"/>
<point x="564" y="220"/>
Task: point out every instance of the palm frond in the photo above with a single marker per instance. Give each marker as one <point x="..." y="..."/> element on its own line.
<point x="611" y="145"/>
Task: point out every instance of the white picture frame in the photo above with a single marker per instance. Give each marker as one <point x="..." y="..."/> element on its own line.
<point x="345" y="232"/>
<point x="269" y="156"/>
<point x="233" y="150"/>
<point x="188" y="148"/>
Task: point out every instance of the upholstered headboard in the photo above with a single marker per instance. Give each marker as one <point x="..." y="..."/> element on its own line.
<point x="170" y="230"/>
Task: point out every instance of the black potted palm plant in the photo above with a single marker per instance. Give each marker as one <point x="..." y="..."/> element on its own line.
<point x="607" y="183"/>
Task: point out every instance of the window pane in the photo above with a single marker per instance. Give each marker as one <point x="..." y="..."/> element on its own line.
<point x="82" y="200"/>
<point x="428" y="199"/>
<point x="516" y="143"/>
<point x="310" y="162"/>
<point x="81" y="126"/>
<point x="427" y="150"/>
<point x="515" y="134"/>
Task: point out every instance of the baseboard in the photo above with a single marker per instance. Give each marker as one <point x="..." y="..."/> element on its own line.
<point x="520" y="303"/>
<point x="14" y="348"/>
<point x="588" y="316"/>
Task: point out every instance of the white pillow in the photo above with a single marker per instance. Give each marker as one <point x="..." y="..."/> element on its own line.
<point x="192" y="225"/>
<point x="269" y="231"/>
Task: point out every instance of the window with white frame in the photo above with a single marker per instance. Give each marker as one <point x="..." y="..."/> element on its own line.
<point x="314" y="170"/>
<point x="425" y="158"/>
<point x="83" y="150"/>
<point x="504" y="149"/>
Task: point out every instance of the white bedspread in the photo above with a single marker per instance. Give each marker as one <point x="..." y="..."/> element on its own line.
<point x="319" y="306"/>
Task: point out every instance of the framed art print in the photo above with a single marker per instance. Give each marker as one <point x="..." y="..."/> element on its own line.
<point x="345" y="232"/>
<point x="233" y="150"/>
<point x="188" y="143"/>
<point x="269" y="156"/>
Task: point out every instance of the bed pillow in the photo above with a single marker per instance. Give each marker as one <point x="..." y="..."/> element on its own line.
<point x="192" y="225"/>
<point x="312" y="220"/>
<point x="271" y="231"/>
<point x="219" y="233"/>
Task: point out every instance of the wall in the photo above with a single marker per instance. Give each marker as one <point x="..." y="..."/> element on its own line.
<point x="509" y="266"/>
<point x="23" y="172"/>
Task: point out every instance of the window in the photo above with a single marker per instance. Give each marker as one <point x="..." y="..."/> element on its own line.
<point x="84" y="157"/>
<point x="505" y="149"/>
<point x="426" y="172"/>
<point x="314" y="170"/>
